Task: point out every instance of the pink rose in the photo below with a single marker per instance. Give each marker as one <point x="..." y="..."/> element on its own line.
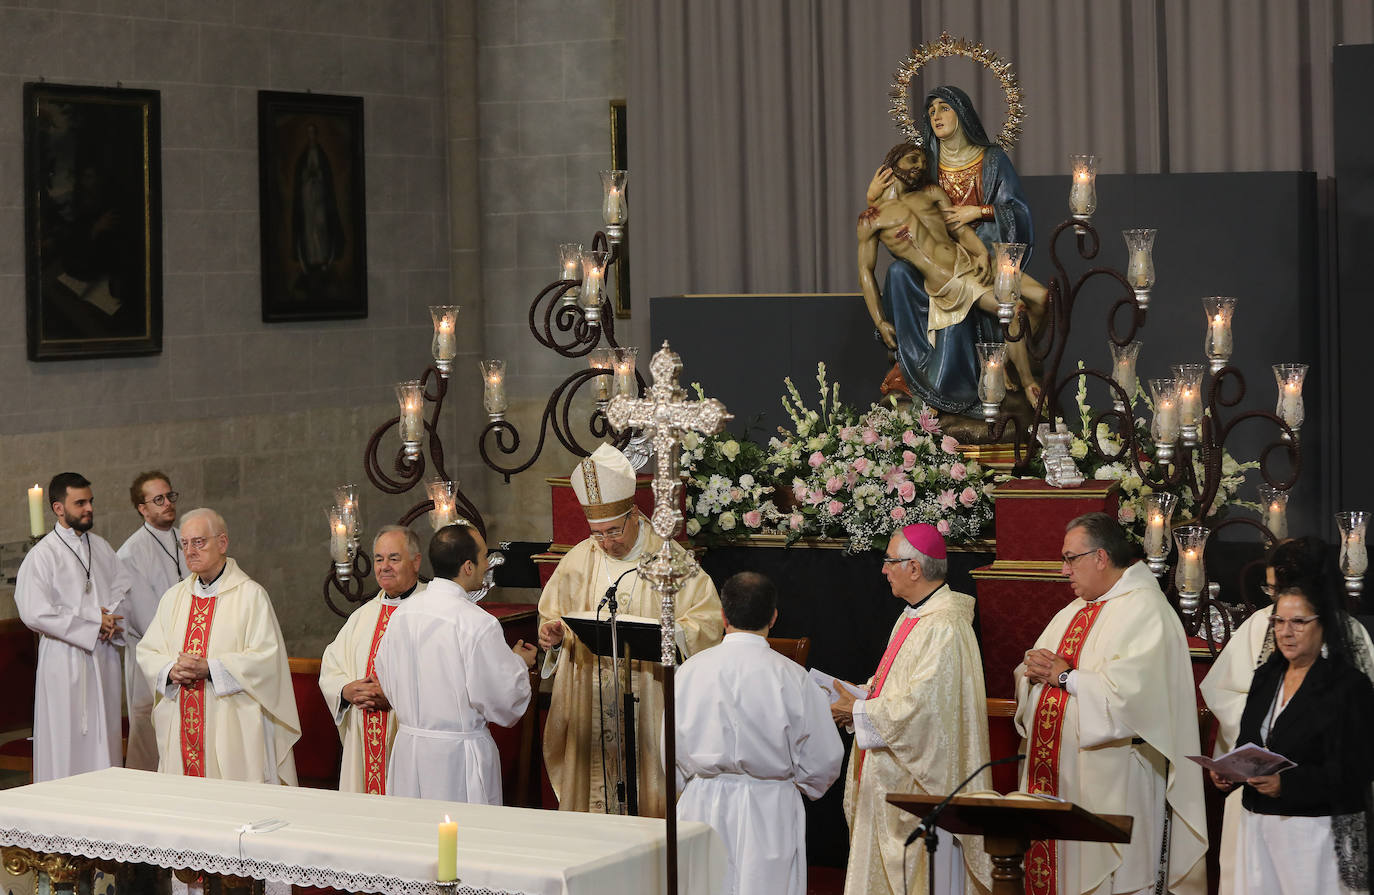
<point x="929" y="423"/>
<point x="847" y="433"/>
<point x="799" y="490"/>
<point x="835" y="508"/>
<point x="794" y="521"/>
<point x="958" y="472"/>
<point x="861" y="465"/>
<point x="815" y="497"/>
<point x="886" y="443"/>
<point x="947" y="499"/>
<point x="968" y="497"/>
<point x="949" y="445"/>
<point x="816" y="460"/>
<point x="942" y="526"/>
<point x="870" y="435"/>
<point x="909" y="438"/>
<point x="753" y="518"/>
<point x="897" y="513"/>
<point x="834" y="484"/>
<point x="894" y="478"/>
<point x="851" y="478"/>
<point x="908" y="460"/>
<point x="736" y="494"/>
<point x="1126" y="513"/>
<point x="907" y="491"/>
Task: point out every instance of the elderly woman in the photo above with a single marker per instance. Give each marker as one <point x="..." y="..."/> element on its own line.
<point x="1303" y="830"/>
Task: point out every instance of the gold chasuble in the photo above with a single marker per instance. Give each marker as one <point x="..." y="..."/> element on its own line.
<point x="572" y="737"/>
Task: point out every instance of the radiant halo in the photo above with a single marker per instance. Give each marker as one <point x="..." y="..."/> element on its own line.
<point x="945" y="46"/>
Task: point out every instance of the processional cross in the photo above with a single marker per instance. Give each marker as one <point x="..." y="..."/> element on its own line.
<point x="665" y="415"/>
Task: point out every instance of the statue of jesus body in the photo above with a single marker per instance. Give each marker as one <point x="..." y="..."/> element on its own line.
<point x="956" y="268"/>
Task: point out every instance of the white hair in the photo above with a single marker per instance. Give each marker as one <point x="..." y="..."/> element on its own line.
<point x="412" y="539"/>
<point x="216" y="521"/>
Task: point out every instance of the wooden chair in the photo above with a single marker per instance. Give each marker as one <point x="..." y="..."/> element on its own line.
<point x="19" y="668"/>
<point x="796" y="649"/>
<point x="531" y="753"/>
<point x="318" y="752"/>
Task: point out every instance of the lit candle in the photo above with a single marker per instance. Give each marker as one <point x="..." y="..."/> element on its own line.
<point x="445" y="344"/>
<point x="1168" y="419"/>
<point x="601" y="359"/>
<point x="1192" y="571"/>
<point x="411" y="398"/>
<point x="493" y="386"/>
<point x="1291" y="406"/>
<point x="994" y="382"/>
<point x="1356" y="555"/>
<point x="1123" y="372"/>
<point x="1155" y="543"/>
<point x="1276" y="520"/>
<point x="1219" y="334"/>
<point x="1189" y="404"/>
<point x="338" y="540"/>
<point x="625" y="383"/>
<point x="36" y="521"/>
<point x="1138" y="270"/>
<point x="1080" y="196"/>
<point x="447" y="870"/>
<point x="614" y="212"/>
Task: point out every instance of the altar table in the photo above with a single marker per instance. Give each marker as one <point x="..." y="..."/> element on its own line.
<point x="350" y="841"/>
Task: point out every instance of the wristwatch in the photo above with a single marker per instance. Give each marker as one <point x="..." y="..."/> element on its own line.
<point x="1064" y="679"/>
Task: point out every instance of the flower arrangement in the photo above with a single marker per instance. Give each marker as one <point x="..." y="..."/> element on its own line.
<point x="838" y="472"/>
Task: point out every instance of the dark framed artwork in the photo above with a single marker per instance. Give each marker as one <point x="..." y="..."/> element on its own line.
<point x="312" y="205"/>
<point x="619" y="143"/>
<point x="92" y="221"/>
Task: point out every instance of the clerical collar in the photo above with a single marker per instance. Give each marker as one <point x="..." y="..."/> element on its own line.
<point x="211" y="582"/>
<point x="912" y="610"/>
<point x="399" y="597"/>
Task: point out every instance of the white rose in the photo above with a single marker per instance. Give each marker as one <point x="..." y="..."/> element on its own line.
<point x="1079" y="450"/>
<point x="746" y="481"/>
<point x="693" y="526"/>
<point x="730" y="450"/>
<point x="691" y="440"/>
<point x="727" y="521"/>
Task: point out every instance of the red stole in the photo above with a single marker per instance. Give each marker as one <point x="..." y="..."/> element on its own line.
<point x="1042" y="776"/>
<point x="890" y="656"/>
<point x="192" y="698"/>
<point x="374" y="722"/>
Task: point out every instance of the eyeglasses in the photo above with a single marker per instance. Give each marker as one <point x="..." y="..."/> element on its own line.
<point x="890" y="560"/>
<point x="1298" y="623"/>
<point x="198" y="543"/>
<point x="163" y="499"/>
<point x="1070" y="560"/>
<point x="609" y="535"/>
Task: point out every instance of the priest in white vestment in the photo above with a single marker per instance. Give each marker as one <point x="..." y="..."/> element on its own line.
<point x="348" y="676"/>
<point x="923" y="728"/>
<point x="446" y="669"/>
<point x="1106" y="702"/>
<point x="754" y="735"/>
<point x="577" y="757"/>
<point x="152" y="556"/>
<point x="72" y="590"/>
<point x="223" y="704"/>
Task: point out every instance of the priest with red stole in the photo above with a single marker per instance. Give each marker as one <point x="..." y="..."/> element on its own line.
<point x="223" y="705"/>
<point x="348" y="678"/>
<point x="922" y="728"/>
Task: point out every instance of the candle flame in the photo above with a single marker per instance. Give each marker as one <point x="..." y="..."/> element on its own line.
<point x="446" y="819"/>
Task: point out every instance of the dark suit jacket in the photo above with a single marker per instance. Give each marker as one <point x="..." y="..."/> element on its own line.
<point x="1327" y="728"/>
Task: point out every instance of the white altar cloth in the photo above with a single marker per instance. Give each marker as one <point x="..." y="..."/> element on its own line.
<point x="350" y="841"/>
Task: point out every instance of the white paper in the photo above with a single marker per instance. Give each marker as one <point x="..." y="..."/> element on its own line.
<point x="1244" y="762"/>
<point x="827" y="684"/>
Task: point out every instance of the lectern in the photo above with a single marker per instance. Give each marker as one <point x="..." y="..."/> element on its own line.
<point x="1008" y="826"/>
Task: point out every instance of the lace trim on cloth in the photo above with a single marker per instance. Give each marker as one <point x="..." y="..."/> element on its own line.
<point x="231" y="866"/>
<point x="1349" y="834"/>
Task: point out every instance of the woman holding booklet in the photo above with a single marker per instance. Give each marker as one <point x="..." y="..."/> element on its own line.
<point x="1303" y="829"/>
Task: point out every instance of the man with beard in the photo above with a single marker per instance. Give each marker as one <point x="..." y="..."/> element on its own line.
<point x="910" y="222"/>
<point x="70" y="590"/>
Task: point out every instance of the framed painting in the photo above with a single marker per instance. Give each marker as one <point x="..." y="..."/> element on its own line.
<point x="312" y="205"/>
<point x="92" y="221"/>
<point x="619" y="145"/>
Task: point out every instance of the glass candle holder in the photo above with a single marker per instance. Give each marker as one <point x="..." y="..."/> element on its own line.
<point x="602" y="359"/>
<point x="1354" y="558"/>
<point x="1159" y="516"/>
<point x="1124" y="358"/>
<point x="411" y="397"/>
<point x="341" y="545"/>
<point x="593" y="282"/>
<point x="346" y="497"/>
<point x="443" y="494"/>
<point x="1289" y="378"/>
<point x="1220" y="309"/>
<point x="1189" y="377"/>
<point x="615" y="212"/>
<point x="1164" y="427"/>
<point x="1274" y="511"/>
<point x="1140" y="264"/>
<point x="624" y="373"/>
<point x="1191" y="575"/>
<point x="992" y="380"/>
<point x="570" y="268"/>
<point x="1007" y="285"/>
<point x="445" y="345"/>
<point x="1083" y="191"/>
<point x="493" y="388"/>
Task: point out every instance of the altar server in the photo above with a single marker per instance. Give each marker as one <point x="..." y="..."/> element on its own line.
<point x="754" y="735"/>
<point x="583" y="690"/>
<point x="1105" y="700"/>
<point x="72" y="590"/>
<point x="447" y="671"/>
<point x="152" y="556"/>
<point x="348" y="677"/>
<point x="223" y="704"/>
<point x="922" y="728"/>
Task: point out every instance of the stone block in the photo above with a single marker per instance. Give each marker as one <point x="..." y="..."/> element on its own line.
<point x="373" y="66"/>
<point x="233" y="302"/>
<point x="183" y="304"/>
<point x="303" y="61"/>
<point x="85" y="49"/>
<point x="222" y="477"/>
<point x="496" y="23"/>
<point x="12" y="315"/>
<point x="566" y="127"/>
<point x="498" y="241"/>
<point x="147" y="9"/>
<point x="422" y="71"/>
<point x="386" y="183"/>
<point x="553" y="21"/>
<point x="11" y="170"/>
<point x="197" y="117"/>
<point x="182" y="179"/>
<point x="417" y="20"/>
<point x="523" y="184"/>
<point x="500" y="129"/>
<point x="12" y="250"/>
<point x="520" y="73"/>
<point x="200" y="11"/>
<point x="594" y="69"/>
<point x="164" y="50"/>
<point x="233" y="55"/>
<point x="401" y="126"/>
<point x="230" y="180"/>
<point x="538" y="235"/>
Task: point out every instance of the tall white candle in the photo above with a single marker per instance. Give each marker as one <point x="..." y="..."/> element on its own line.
<point x="1356" y="555"/>
<point x="445" y="345"/>
<point x="1290" y="407"/>
<point x="1081" y="199"/>
<point x="1219" y="335"/>
<point x="338" y="541"/>
<point x="1276" y="520"/>
<point x="1138" y="270"/>
<point x="1168" y="419"/>
<point x="614" y="210"/>
<point x="1155" y="543"/>
<point x="1192" y="571"/>
<point x="625" y="383"/>
<point x="994" y="383"/>
<point x="1190" y="405"/>
<point x="36" y="521"/>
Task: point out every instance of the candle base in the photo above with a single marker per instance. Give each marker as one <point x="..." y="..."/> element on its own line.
<point x="343" y="571"/>
<point x="1215" y="364"/>
<point x="447" y="887"/>
<point x="592" y="314"/>
<point x="1188" y="603"/>
<point x="990" y="411"/>
<point x="570" y="297"/>
<point x="1082" y="219"/>
<point x="1006" y="311"/>
<point x="1142" y="299"/>
<point x="1354" y="586"/>
<point x="411" y="449"/>
<point x="496" y="417"/>
<point x="1159" y="565"/>
<point x="615" y="233"/>
<point x="443" y="366"/>
<point x="1189" y="434"/>
<point x="1284" y="435"/>
<point x="1164" y="451"/>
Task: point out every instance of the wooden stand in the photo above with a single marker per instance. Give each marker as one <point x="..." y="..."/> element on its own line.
<point x="1008" y="827"/>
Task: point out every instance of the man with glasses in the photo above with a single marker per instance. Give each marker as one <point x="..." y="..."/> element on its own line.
<point x="223" y="704"/>
<point x="600" y="567"/>
<point x="1106" y="703"/>
<point x="152" y="555"/>
<point x="922" y="727"/>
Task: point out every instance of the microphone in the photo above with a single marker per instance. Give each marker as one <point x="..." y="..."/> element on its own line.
<point x="611" y="592"/>
<point x="928" y="822"/>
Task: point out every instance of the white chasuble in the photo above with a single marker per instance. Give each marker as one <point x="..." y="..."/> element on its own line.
<point x="153" y="561"/>
<point x="1129" y="719"/>
<point x="581" y="710"/>
<point x="76" y="701"/>
<point x="754" y="735"/>
<point x="249" y="721"/>
<point x="366" y="736"/>
<point x="929" y="729"/>
<point x="446" y="669"/>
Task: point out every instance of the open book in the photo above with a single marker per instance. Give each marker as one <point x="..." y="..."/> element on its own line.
<point x="1244" y="762"/>
<point x="827" y="684"/>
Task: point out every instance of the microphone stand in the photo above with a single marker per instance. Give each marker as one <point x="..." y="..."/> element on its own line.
<point x="927" y="825"/>
<point x="617" y="710"/>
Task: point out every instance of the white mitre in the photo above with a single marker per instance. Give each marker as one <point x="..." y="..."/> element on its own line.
<point x="604" y="484"/>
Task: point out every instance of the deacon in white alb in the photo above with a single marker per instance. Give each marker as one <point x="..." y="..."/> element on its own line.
<point x="445" y="667"/>
<point x="223" y="705"/>
<point x="609" y="560"/>
<point x="348" y="679"/>
<point x="754" y="735"/>
<point x="71" y="590"/>
<point x="153" y="558"/>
